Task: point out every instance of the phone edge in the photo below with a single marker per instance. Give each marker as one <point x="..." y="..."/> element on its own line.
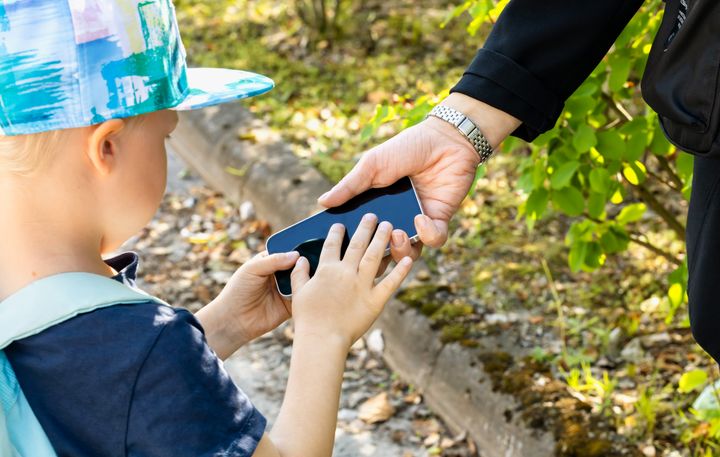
<point x="413" y="239"/>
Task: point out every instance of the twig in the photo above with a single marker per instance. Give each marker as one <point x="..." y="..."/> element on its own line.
<point x="670" y="258"/>
<point x="668" y="169"/>
<point x="661" y="211"/>
<point x="659" y="178"/>
<point x="617" y="106"/>
<point x="558" y="304"/>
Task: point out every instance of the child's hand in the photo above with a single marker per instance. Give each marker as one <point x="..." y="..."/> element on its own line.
<point x="249" y="305"/>
<point x="341" y="300"/>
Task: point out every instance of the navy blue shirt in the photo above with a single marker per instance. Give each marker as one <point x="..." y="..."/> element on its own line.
<point x="134" y="380"/>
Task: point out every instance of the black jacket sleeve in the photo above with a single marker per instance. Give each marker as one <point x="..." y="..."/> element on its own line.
<point x="539" y="52"/>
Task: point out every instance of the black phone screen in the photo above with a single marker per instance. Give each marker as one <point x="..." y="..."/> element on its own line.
<point x="397" y="204"/>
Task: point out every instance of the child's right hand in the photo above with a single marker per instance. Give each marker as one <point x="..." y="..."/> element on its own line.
<point x="342" y="300"/>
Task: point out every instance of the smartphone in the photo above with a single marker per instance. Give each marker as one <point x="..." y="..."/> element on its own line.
<point x="397" y="204"/>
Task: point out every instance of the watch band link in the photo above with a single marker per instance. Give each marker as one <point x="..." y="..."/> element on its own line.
<point x="466" y="127"/>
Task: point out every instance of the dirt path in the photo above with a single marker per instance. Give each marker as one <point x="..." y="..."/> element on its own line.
<point x="183" y="263"/>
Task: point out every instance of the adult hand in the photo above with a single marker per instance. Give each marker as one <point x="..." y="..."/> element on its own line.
<point x="439" y="160"/>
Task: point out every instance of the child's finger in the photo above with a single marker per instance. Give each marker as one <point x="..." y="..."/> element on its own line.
<point x="300" y="275"/>
<point x="265" y="265"/>
<point x="361" y="238"/>
<point x="332" y="244"/>
<point x="392" y="281"/>
<point x="376" y="251"/>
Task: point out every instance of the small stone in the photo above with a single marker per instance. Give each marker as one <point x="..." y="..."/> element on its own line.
<point x="633" y="351"/>
<point x="347" y="415"/>
<point x="221" y="277"/>
<point x="422" y="275"/>
<point x="375" y="342"/>
<point x="615" y="340"/>
<point x="656" y="339"/>
<point x="247" y="211"/>
<point x="189" y="202"/>
<point x="498" y="318"/>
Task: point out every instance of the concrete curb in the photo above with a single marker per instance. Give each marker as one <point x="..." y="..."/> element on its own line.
<point x="284" y="190"/>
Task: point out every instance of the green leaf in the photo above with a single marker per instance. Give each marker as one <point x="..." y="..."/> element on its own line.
<point x="455" y="12"/>
<point x="684" y="164"/>
<point x="676" y="295"/>
<point x="599" y="180"/>
<point x="659" y="144"/>
<point x="596" y="205"/>
<point x="691" y="380"/>
<point x="586" y="89"/>
<point x="539" y="173"/>
<point x="619" y="71"/>
<point x="635" y="173"/>
<point x="580" y="106"/>
<point x="569" y="200"/>
<point x="584" y="138"/>
<point x="631" y="213"/>
<point x="593" y="256"/>
<point x="562" y="176"/>
<point x="635" y="146"/>
<point x="614" y="240"/>
<point x="577" y="255"/>
<point x="611" y="145"/>
<point x="537" y="203"/>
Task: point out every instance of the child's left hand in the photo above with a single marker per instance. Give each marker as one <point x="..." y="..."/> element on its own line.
<point x="249" y="305"/>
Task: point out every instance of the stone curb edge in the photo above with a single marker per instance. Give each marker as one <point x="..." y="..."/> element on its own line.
<point x="240" y="157"/>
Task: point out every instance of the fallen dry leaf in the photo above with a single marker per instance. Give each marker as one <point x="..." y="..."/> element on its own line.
<point x="376" y="409"/>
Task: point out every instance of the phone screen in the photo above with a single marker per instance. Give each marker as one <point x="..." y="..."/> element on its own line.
<point x="397" y="204"/>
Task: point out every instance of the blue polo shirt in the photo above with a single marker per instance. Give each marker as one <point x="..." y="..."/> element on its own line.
<point x="134" y="380"/>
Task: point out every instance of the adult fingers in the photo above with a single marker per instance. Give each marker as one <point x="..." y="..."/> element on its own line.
<point x="361" y="238"/>
<point x="385" y="288"/>
<point x="376" y="251"/>
<point x="333" y="243"/>
<point x="358" y="180"/>
<point x="265" y="265"/>
<point x="432" y="232"/>
<point x="300" y="275"/>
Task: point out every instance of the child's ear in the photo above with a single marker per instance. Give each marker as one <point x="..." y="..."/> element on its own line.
<point x="102" y="145"/>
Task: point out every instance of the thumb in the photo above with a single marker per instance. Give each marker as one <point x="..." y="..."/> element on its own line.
<point x="358" y="180"/>
<point x="300" y="275"/>
<point x="265" y="265"/>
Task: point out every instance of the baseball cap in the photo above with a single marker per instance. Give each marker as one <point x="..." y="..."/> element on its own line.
<point x="73" y="63"/>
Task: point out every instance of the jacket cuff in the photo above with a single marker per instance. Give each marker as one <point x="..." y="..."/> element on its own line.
<point x="500" y="82"/>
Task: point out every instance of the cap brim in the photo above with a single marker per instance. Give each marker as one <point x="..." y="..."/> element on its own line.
<point x="212" y="86"/>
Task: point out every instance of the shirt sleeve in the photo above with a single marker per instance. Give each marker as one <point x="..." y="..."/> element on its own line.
<point x="184" y="402"/>
<point x="539" y="52"/>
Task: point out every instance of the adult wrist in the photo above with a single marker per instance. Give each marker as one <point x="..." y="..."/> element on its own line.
<point x="495" y="124"/>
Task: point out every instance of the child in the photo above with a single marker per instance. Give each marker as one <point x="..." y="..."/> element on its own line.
<point x="85" y="88"/>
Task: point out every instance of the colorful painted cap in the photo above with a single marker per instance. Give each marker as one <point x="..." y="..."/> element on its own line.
<point x="72" y="63"/>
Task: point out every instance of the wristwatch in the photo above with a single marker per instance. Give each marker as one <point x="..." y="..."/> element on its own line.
<point x="466" y="127"/>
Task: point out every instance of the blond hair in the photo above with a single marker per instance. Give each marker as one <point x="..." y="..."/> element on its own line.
<point x="23" y="155"/>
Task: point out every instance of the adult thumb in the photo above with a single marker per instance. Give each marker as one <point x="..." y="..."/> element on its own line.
<point x="358" y="180"/>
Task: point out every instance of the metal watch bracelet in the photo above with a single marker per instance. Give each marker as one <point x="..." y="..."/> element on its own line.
<point x="466" y="127"/>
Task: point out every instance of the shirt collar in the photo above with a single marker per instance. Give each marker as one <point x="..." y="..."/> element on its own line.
<point x="126" y="265"/>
